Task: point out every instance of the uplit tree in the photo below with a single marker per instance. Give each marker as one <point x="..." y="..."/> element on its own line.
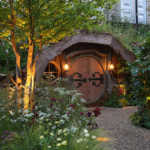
<point x="34" y="23"/>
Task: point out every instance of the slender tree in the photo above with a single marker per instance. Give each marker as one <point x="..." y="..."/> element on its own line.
<point x="34" y="23"/>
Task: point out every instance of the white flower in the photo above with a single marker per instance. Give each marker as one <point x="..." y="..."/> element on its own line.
<point x="67" y="92"/>
<point x="58" y="144"/>
<point x="85" y="131"/>
<point x="49" y="146"/>
<point x="78" y="94"/>
<point x="13" y="121"/>
<point x="65" y="130"/>
<point x="59" y="131"/>
<point x="65" y="116"/>
<point x="62" y="121"/>
<point x="49" y="124"/>
<point x="73" y="129"/>
<point x="19" y="102"/>
<point x="64" y="142"/>
<point x="93" y="137"/>
<point x="65" y="134"/>
<point x="26" y="115"/>
<point x="26" y="111"/>
<point x="52" y="134"/>
<point x="41" y="137"/>
<point x="36" y="107"/>
<point x="86" y="135"/>
<point x="82" y="100"/>
<point x="73" y="99"/>
<point x="46" y="88"/>
<point x="56" y="122"/>
<point x="73" y="91"/>
<point x="41" y="118"/>
<point x="19" y="111"/>
<point x="3" y="116"/>
<point x="58" y="139"/>
<point x="80" y="140"/>
<point x="69" y="108"/>
<point x="53" y="127"/>
<point x="11" y="112"/>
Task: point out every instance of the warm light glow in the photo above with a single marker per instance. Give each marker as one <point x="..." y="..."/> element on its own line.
<point x="111" y="67"/>
<point x="102" y="139"/>
<point x="66" y="67"/>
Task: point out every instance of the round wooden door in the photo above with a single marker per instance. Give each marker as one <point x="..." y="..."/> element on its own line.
<point x="88" y="75"/>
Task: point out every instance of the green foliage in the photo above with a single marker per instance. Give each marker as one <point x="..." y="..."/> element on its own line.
<point x="49" y="21"/>
<point x="116" y="101"/>
<point x="3" y="59"/>
<point x="142" y="119"/>
<point x="135" y="118"/>
<point x="140" y="76"/>
<point x="125" y="33"/>
<point x="12" y="57"/>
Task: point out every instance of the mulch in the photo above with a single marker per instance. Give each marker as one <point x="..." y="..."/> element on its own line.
<point x="125" y="136"/>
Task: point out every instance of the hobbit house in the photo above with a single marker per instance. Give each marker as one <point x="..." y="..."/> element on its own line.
<point x="92" y="61"/>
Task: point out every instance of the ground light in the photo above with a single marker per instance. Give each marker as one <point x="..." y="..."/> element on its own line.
<point x="102" y="139"/>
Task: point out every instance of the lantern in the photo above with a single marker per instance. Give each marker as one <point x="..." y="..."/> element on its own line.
<point x="111" y="67"/>
<point x="66" y="66"/>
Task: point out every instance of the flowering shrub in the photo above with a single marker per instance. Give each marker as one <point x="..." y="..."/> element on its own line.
<point x="118" y="98"/>
<point x="57" y="118"/>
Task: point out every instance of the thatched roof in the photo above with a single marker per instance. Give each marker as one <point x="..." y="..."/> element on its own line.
<point x="81" y="37"/>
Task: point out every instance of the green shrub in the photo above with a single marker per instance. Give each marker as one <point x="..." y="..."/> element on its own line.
<point x="140" y="77"/>
<point x="116" y="101"/>
<point x="135" y="118"/>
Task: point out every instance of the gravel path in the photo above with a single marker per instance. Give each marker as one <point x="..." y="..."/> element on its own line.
<point x="126" y="136"/>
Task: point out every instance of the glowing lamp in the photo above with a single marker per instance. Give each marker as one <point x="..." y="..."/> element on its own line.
<point x="66" y="66"/>
<point x="111" y="67"/>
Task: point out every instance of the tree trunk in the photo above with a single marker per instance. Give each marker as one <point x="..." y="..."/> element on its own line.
<point x="32" y="86"/>
<point x="30" y="64"/>
<point x="18" y="70"/>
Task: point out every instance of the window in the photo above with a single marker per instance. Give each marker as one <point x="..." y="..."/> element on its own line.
<point x="115" y="73"/>
<point x="51" y="72"/>
<point x="129" y="9"/>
